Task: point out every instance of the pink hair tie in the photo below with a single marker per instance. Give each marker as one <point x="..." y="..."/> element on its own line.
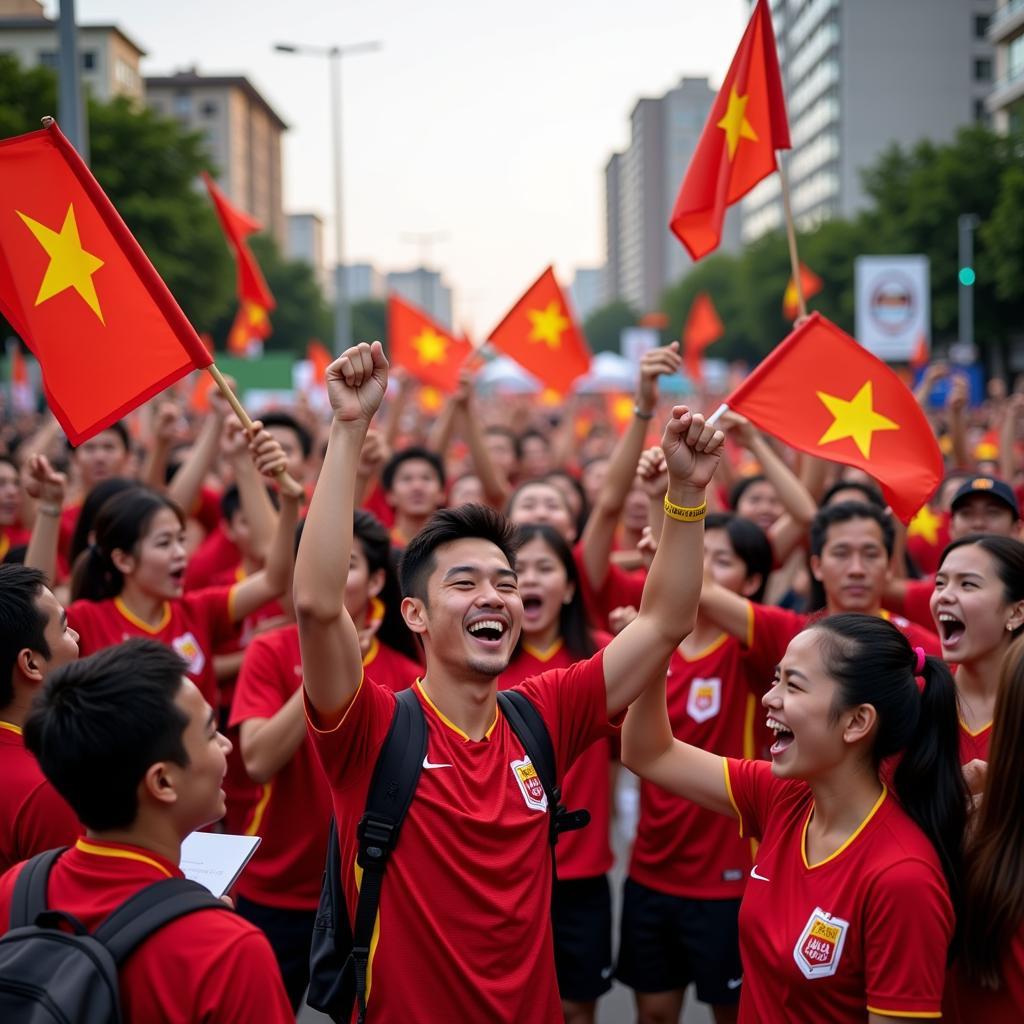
<point x="919" y="668"/>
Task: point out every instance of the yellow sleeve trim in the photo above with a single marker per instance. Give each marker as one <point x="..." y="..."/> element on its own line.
<point x="232" y="616"/>
<point x="341" y="721"/>
<point x="8" y="727"/>
<point x="750" y="626"/>
<point x="923" y="1015"/>
<point x="728" y="791"/>
<point x="260" y="810"/>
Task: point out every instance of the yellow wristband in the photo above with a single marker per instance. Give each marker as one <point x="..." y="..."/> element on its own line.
<point x="684" y="514"/>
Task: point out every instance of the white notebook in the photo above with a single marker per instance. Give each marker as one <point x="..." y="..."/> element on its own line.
<point x="216" y="860"/>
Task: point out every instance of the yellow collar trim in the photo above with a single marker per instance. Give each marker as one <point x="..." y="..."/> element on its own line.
<point x="547" y="655"/>
<point x="447" y="721"/>
<point x="372" y="653"/>
<point x="11" y="727"/>
<point x="860" y="828"/>
<point x="112" y="851"/>
<point x="963" y="725"/>
<point x="165" y="618"/>
<point x="710" y="649"/>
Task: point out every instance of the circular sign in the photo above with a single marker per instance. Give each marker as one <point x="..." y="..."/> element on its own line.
<point x="891" y="305"/>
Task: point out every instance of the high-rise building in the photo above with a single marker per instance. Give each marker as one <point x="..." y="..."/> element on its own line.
<point x="108" y="58"/>
<point x="426" y="289"/>
<point x="587" y="291"/>
<point x="1006" y="34"/>
<point x="305" y="242"/>
<point x="860" y="75"/>
<point x="242" y="132"/>
<point x="363" y="281"/>
<point x="643" y="257"/>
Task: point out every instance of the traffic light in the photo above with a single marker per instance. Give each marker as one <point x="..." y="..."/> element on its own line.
<point x="966" y="223"/>
<point x="967" y="276"/>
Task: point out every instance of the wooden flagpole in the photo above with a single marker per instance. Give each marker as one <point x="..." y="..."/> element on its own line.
<point x="794" y="259"/>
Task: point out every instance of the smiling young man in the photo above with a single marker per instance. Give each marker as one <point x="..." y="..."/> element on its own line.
<point x="464" y="931"/>
<point x="129" y="742"/>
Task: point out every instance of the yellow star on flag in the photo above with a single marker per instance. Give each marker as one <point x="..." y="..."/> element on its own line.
<point x="257" y="315"/>
<point x="70" y="265"/>
<point x="735" y="123"/>
<point x="430" y="346"/>
<point x="548" y="324"/>
<point x="925" y="525"/>
<point x="855" y="418"/>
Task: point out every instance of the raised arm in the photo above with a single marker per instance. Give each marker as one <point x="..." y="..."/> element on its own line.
<point x="254" y="500"/>
<point x="956" y="410"/>
<point x="47" y="488"/>
<point x="668" y="609"/>
<point x="495" y="485"/>
<point x="184" y="487"/>
<point x="167" y="423"/>
<point x="332" y="662"/>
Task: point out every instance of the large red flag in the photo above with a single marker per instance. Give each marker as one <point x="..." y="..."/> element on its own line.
<point x="237" y="226"/>
<point x="823" y="393"/>
<point x="703" y="328"/>
<point x="430" y="353"/>
<point x="539" y="333"/>
<point x="747" y="124"/>
<point x="810" y="284"/>
<point x="80" y="291"/>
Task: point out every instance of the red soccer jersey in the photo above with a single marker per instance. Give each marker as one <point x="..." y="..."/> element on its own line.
<point x="680" y="848"/>
<point x="916" y="603"/>
<point x="586" y="852"/>
<point x="974" y="745"/>
<point x="620" y="589"/>
<point x="215" y="554"/>
<point x="867" y="930"/>
<point x="33" y="817"/>
<point x="967" y="1004"/>
<point x="194" y="625"/>
<point x="12" y="537"/>
<point x="465" y="913"/>
<point x="208" y="966"/>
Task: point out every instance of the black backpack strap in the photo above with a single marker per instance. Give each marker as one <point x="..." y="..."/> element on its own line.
<point x="392" y="788"/>
<point x="149" y="910"/>
<point x="28" y="900"/>
<point x="528" y="725"/>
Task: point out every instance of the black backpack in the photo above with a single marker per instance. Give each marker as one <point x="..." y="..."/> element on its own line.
<point x="340" y="951"/>
<point x="51" y="976"/>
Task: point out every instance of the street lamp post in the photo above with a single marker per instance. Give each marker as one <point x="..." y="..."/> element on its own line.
<point x="342" y="310"/>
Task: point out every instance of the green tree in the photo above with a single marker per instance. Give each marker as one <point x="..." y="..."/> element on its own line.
<point x="605" y="325"/>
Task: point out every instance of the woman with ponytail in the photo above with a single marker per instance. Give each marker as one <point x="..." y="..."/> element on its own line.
<point x="849" y="912"/>
<point x="988" y="982"/>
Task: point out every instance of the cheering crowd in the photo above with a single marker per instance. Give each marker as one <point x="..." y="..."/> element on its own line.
<point x="208" y="627"/>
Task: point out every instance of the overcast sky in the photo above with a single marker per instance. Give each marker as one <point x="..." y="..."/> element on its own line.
<point x="488" y="121"/>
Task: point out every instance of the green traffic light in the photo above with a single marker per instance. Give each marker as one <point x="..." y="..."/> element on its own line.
<point x="967" y="276"/>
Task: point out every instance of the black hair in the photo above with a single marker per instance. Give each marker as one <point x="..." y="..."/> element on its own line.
<point x="573" y="625"/>
<point x="121" y="523"/>
<point x="871" y="495"/>
<point x="1007" y="553"/>
<point x="99" y="723"/>
<point x="387" y="476"/>
<point x="584" y="513"/>
<point x="750" y="543"/>
<point x="373" y="538"/>
<point x="22" y="624"/>
<point x="526" y="435"/>
<point x="93" y="503"/>
<point x="873" y="663"/>
<point x="445" y="527"/>
<point x="283" y="419"/>
<point x="231" y="502"/>
<point x="743" y="485"/>
<point x="499" y="431"/>
<point x="118" y="428"/>
<point x="536" y="481"/>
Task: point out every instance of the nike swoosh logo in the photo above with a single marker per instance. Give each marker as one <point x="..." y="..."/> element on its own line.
<point x="734" y="983"/>
<point x="427" y="763"/>
<point x="754" y="874"/>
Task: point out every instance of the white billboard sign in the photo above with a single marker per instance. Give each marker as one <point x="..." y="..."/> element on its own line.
<point x="893" y="309"/>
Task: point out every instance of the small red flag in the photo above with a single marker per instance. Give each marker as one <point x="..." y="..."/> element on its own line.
<point x="821" y="392"/>
<point x="251" y="325"/>
<point x="540" y="334"/>
<point x="620" y="410"/>
<point x="237" y="227"/>
<point x="422" y="346"/>
<point x="320" y="359"/>
<point x="811" y="285"/>
<point x="703" y="328"/>
<point x="921" y="354"/>
<point x="199" y="400"/>
<point x="22" y="397"/>
<point x="747" y="124"/>
<point x="79" y="290"/>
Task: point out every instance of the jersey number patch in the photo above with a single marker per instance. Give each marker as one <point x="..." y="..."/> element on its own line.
<point x="529" y="784"/>
<point x="705" y="700"/>
<point x="818" y="950"/>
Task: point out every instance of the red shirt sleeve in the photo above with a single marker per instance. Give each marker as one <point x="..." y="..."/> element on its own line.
<point x="771" y="630"/>
<point x="45" y="821"/>
<point x="917" y="602"/>
<point x="258" y="691"/>
<point x="212" y="606"/>
<point x="908" y="928"/>
<point x="752" y="791"/>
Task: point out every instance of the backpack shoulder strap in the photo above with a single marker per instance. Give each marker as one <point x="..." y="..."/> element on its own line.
<point x="528" y="725"/>
<point x="392" y="788"/>
<point x="28" y="900"/>
<point x="149" y="910"/>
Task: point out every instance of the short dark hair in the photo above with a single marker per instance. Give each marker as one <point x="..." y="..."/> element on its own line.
<point x="413" y="452"/>
<point x="100" y="722"/>
<point x="289" y="422"/>
<point x="750" y="543"/>
<point x="231" y="502"/>
<point x="528" y="435"/>
<point x="742" y="486"/>
<point x="118" y="428"/>
<point x="872" y="495"/>
<point x="22" y="624"/>
<point x="844" y="512"/>
<point x="445" y="527"/>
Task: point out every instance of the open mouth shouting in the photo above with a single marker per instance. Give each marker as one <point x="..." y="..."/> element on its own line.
<point x="488" y="631"/>
<point x="783" y="735"/>
<point x="951" y="630"/>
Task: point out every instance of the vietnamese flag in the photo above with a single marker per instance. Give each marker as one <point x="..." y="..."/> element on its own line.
<point x="250" y="325"/>
<point x="431" y="354"/>
<point x="823" y="393"/>
<point x="703" y="328"/>
<point x="747" y="124"/>
<point x="80" y="291"/>
<point x="540" y="334"/>
<point x="810" y="284"/>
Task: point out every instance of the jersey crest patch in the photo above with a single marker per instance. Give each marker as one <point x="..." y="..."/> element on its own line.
<point x="188" y="648"/>
<point x="705" y="700"/>
<point x="818" y="950"/>
<point x="529" y="784"/>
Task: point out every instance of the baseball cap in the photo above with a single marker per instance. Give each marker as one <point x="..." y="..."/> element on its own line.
<point x="997" y="488"/>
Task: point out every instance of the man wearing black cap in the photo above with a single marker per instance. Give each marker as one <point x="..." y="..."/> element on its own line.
<point x="982" y="504"/>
